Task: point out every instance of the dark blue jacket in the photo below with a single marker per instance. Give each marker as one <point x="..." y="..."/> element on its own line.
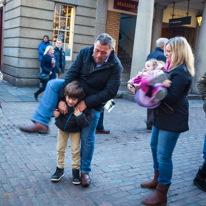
<point x="172" y="114"/>
<point x="42" y="48"/>
<point x="157" y="54"/>
<point x="47" y="67"/>
<point x="71" y="123"/>
<point x="56" y="54"/>
<point x="100" y="84"/>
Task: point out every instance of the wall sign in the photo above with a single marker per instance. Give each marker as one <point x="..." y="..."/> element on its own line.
<point x="180" y="21"/>
<point x="126" y="5"/>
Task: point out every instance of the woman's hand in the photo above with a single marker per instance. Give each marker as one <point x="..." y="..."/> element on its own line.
<point x="56" y="113"/>
<point x="166" y="83"/>
<point x="62" y="107"/>
<point x="129" y="87"/>
<point x="50" y="73"/>
<point x="77" y="111"/>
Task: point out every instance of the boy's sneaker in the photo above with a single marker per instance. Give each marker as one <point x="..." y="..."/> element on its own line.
<point x="57" y="175"/>
<point x="157" y="79"/>
<point x="76" y="178"/>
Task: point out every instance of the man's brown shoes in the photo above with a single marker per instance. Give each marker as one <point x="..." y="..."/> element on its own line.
<point x="35" y="128"/>
<point x="85" y="179"/>
<point x="102" y="131"/>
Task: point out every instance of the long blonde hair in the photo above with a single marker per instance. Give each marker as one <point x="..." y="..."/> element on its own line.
<point x="181" y="54"/>
<point x="47" y="49"/>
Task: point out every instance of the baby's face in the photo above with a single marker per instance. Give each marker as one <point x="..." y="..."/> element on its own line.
<point x="148" y="66"/>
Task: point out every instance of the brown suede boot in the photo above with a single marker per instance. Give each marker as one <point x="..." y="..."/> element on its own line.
<point x="35" y="128"/>
<point x="159" y="197"/>
<point x="153" y="183"/>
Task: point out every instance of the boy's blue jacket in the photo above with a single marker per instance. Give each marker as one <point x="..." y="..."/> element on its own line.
<point x="71" y="123"/>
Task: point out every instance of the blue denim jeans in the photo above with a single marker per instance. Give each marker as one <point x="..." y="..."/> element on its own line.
<point x="88" y="141"/>
<point x="48" y="103"/>
<point x="100" y="122"/>
<point x="162" y="146"/>
<point x="44" y="113"/>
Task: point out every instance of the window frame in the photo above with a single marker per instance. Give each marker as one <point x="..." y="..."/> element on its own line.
<point x="71" y="29"/>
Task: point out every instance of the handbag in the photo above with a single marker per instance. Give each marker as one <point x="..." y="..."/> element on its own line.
<point x="43" y="76"/>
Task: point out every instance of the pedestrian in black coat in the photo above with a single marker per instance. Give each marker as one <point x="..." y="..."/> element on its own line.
<point x="47" y="65"/>
<point x="157" y="54"/>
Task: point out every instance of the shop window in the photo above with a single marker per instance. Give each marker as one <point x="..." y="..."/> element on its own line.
<point x="63" y="28"/>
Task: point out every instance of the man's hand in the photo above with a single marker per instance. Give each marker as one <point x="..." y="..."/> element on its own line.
<point x="56" y="113"/>
<point x="62" y="107"/>
<point x="129" y="87"/>
<point x="50" y="73"/>
<point x="81" y="106"/>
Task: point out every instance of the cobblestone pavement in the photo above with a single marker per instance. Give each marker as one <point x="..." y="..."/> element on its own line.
<point x="121" y="161"/>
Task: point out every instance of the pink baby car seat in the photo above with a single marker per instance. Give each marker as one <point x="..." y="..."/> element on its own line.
<point x="143" y="100"/>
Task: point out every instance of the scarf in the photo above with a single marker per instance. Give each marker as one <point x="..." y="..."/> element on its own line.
<point x="167" y="66"/>
<point x="52" y="59"/>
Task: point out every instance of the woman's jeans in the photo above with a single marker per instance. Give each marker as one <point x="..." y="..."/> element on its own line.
<point x="44" y="112"/>
<point x="162" y="146"/>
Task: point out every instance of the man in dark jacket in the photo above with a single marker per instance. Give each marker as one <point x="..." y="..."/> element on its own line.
<point x="60" y="58"/>
<point x="98" y="70"/>
<point x="157" y="54"/>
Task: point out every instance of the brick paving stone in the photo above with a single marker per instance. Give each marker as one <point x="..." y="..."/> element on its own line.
<point x="46" y="198"/>
<point x="121" y="161"/>
<point x="14" y="197"/>
<point x="192" y="204"/>
<point x="26" y="201"/>
<point x="106" y="204"/>
<point x="88" y="202"/>
<point x="20" y="190"/>
<point x="5" y="202"/>
<point x="8" y="188"/>
<point x="31" y="193"/>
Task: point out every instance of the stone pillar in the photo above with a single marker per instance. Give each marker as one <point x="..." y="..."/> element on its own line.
<point x="157" y="24"/>
<point x="200" y="60"/>
<point x="143" y="32"/>
<point x="26" y="22"/>
<point x="197" y="33"/>
<point x="101" y="17"/>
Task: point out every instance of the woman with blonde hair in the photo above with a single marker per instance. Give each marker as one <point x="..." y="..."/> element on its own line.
<point x="48" y="67"/>
<point x="170" y="118"/>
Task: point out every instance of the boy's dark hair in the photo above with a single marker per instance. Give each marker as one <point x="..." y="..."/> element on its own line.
<point x="74" y="90"/>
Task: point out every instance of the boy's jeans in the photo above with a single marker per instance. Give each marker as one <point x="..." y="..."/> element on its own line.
<point x="162" y="146"/>
<point x="45" y="110"/>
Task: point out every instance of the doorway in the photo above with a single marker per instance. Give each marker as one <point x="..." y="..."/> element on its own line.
<point x="127" y="33"/>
